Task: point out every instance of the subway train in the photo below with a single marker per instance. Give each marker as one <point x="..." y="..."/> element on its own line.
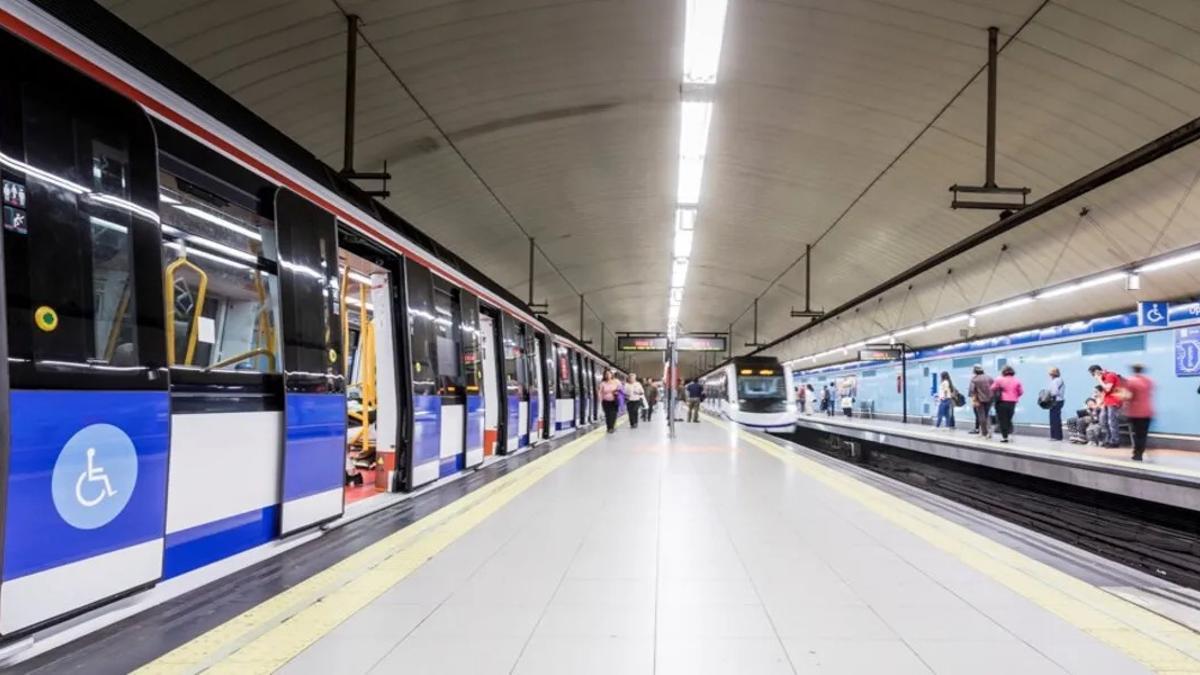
<point x="753" y="391"/>
<point x="209" y="332"/>
<point x="1166" y="340"/>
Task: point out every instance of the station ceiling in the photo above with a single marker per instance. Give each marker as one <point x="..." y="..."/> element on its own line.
<point x="838" y="123"/>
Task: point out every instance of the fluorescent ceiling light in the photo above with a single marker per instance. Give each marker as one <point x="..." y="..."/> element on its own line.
<point x="693" y="128"/>
<point x="1003" y="306"/>
<point x="685" y="219"/>
<point x="676" y="297"/>
<point x="958" y="318"/>
<point x="679" y="273"/>
<point x="219" y="247"/>
<point x="1079" y="286"/>
<point x="691" y="174"/>
<point x="908" y="331"/>
<point x="703" y="33"/>
<point x="216" y="220"/>
<point x="683" y="243"/>
<point x="167" y="199"/>
<point x="207" y="256"/>
<point x="1170" y="262"/>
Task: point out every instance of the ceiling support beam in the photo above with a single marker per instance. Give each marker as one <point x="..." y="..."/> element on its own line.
<point x="348" y="170"/>
<point x="1164" y="145"/>
<point x="532" y="251"/>
<point x="808" y="311"/>
<point x="755" y="343"/>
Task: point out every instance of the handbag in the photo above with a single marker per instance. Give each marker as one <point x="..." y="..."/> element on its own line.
<point x="1045" y="399"/>
<point x="957" y="397"/>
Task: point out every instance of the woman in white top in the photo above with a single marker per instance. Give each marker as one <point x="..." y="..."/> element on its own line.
<point x="810" y="400"/>
<point x="945" y="397"/>
<point x="635" y="397"/>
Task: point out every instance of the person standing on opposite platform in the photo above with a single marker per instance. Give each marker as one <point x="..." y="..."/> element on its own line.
<point x="1009" y="389"/>
<point x="1139" y="408"/>
<point x="945" y="397"/>
<point x="810" y="400"/>
<point x="635" y="396"/>
<point x="609" y="386"/>
<point x="1058" y="396"/>
<point x="981" y="400"/>
<point x="1110" y="411"/>
<point x="830" y="404"/>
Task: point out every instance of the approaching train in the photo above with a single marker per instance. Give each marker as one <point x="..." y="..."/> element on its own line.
<point x="209" y="332"/>
<point x="753" y="391"/>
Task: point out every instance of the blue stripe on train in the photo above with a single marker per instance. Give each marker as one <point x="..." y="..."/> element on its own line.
<point x="198" y="546"/>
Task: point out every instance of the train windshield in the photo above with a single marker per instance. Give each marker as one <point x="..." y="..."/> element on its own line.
<point x="761" y="387"/>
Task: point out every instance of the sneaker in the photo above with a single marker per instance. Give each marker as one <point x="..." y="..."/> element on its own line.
<point x="974" y="431"/>
<point x="1136" y="458"/>
<point x="1003" y="440"/>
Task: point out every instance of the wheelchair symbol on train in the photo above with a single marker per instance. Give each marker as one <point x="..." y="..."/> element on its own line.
<point x="94" y="476"/>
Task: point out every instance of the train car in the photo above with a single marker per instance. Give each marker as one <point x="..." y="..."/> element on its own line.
<point x="754" y="392"/>
<point x="213" y="340"/>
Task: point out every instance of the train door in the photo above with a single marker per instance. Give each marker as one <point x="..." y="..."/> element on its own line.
<point x="447" y="331"/>
<point x="473" y="380"/>
<point x="580" y="389"/>
<point x="84" y="426"/>
<point x="533" y="361"/>
<point x="489" y="354"/>
<point x="545" y="352"/>
<point x="511" y="348"/>
<point x="368" y="295"/>
<point x="524" y="414"/>
<point x="314" y="447"/>
<point x="565" y="403"/>
<point x="423" y="454"/>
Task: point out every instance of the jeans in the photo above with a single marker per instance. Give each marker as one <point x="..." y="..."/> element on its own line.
<point x="693" y="410"/>
<point x="1110" y="425"/>
<point x="1004" y="416"/>
<point x="1056" y="421"/>
<point x="633" y="407"/>
<point x="982" y="412"/>
<point x="945" y="412"/>
<point x="610" y="414"/>
<point x="1139" y="429"/>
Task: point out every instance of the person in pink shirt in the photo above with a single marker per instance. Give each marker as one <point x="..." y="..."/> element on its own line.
<point x="1009" y="390"/>
<point x="1139" y="407"/>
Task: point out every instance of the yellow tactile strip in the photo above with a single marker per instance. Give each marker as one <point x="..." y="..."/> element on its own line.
<point x="269" y="635"/>
<point x="1155" y="641"/>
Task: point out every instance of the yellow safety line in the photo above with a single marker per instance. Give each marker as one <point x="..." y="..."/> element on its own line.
<point x="1155" y="641"/>
<point x="270" y="634"/>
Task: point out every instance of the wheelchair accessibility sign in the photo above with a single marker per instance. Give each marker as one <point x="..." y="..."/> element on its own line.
<point x="94" y="476"/>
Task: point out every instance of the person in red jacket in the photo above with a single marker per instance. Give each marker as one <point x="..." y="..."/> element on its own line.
<point x="1139" y="407"/>
<point x="1110" y="412"/>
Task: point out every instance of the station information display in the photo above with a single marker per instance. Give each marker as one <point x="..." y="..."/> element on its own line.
<point x="684" y="343"/>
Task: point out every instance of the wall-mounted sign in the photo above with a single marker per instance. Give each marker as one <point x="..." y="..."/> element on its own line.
<point x="1187" y="352"/>
<point x="626" y="343"/>
<point x="700" y="343"/>
<point x="1153" y="313"/>
<point x="879" y="354"/>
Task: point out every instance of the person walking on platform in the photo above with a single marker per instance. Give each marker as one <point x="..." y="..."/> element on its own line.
<point x="635" y="396"/>
<point x="980" y="390"/>
<point x="1110" y="410"/>
<point x="609" y="386"/>
<point x="651" y="399"/>
<point x="1009" y="391"/>
<point x="695" y="395"/>
<point x="945" y="398"/>
<point x="827" y="401"/>
<point x="1139" y="408"/>
<point x="1057" y="394"/>
<point x="810" y="400"/>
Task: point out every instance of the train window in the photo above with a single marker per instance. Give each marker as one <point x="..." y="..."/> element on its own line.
<point x="566" y="384"/>
<point x="469" y="322"/>
<point x="220" y="282"/>
<point x="420" y="327"/>
<point x="308" y="294"/>
<point x="761" y="386"/>
<point x="74" y="213"/>
<point x="513" y="377"/>
<point x="447" y="335"/>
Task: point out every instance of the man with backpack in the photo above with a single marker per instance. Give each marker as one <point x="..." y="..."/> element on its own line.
<point x="1110" y="405"/>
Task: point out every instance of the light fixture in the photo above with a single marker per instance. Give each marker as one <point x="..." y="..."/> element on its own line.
<point x="685" y="219"/>
<point x="908" y="331"/>
<point x="950" y="320"/>
<point x="679" y="273"/>
<point x="207" y="256"/>
<point x="1079" y="286"/>
<point x="691" y="174"/>
<point x="676" y="297"/>
<point x="1015" y="302"/>
<point x="217" y="220"/>
<point x="704" y="31"/>
<point x="1170" y="262"/>
<point x="1133" y="282"/>
<point x="683" y="243"/>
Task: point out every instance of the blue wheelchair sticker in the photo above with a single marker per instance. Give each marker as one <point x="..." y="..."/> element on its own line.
<point x="94" y="476"/>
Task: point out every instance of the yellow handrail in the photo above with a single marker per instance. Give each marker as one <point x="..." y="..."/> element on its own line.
<point x="114" y="331"/>
<point x="169" y="297"/>
<point x="265" y="336"/>
<point x="345" y="324"/>
<point x="261" y="351"/>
